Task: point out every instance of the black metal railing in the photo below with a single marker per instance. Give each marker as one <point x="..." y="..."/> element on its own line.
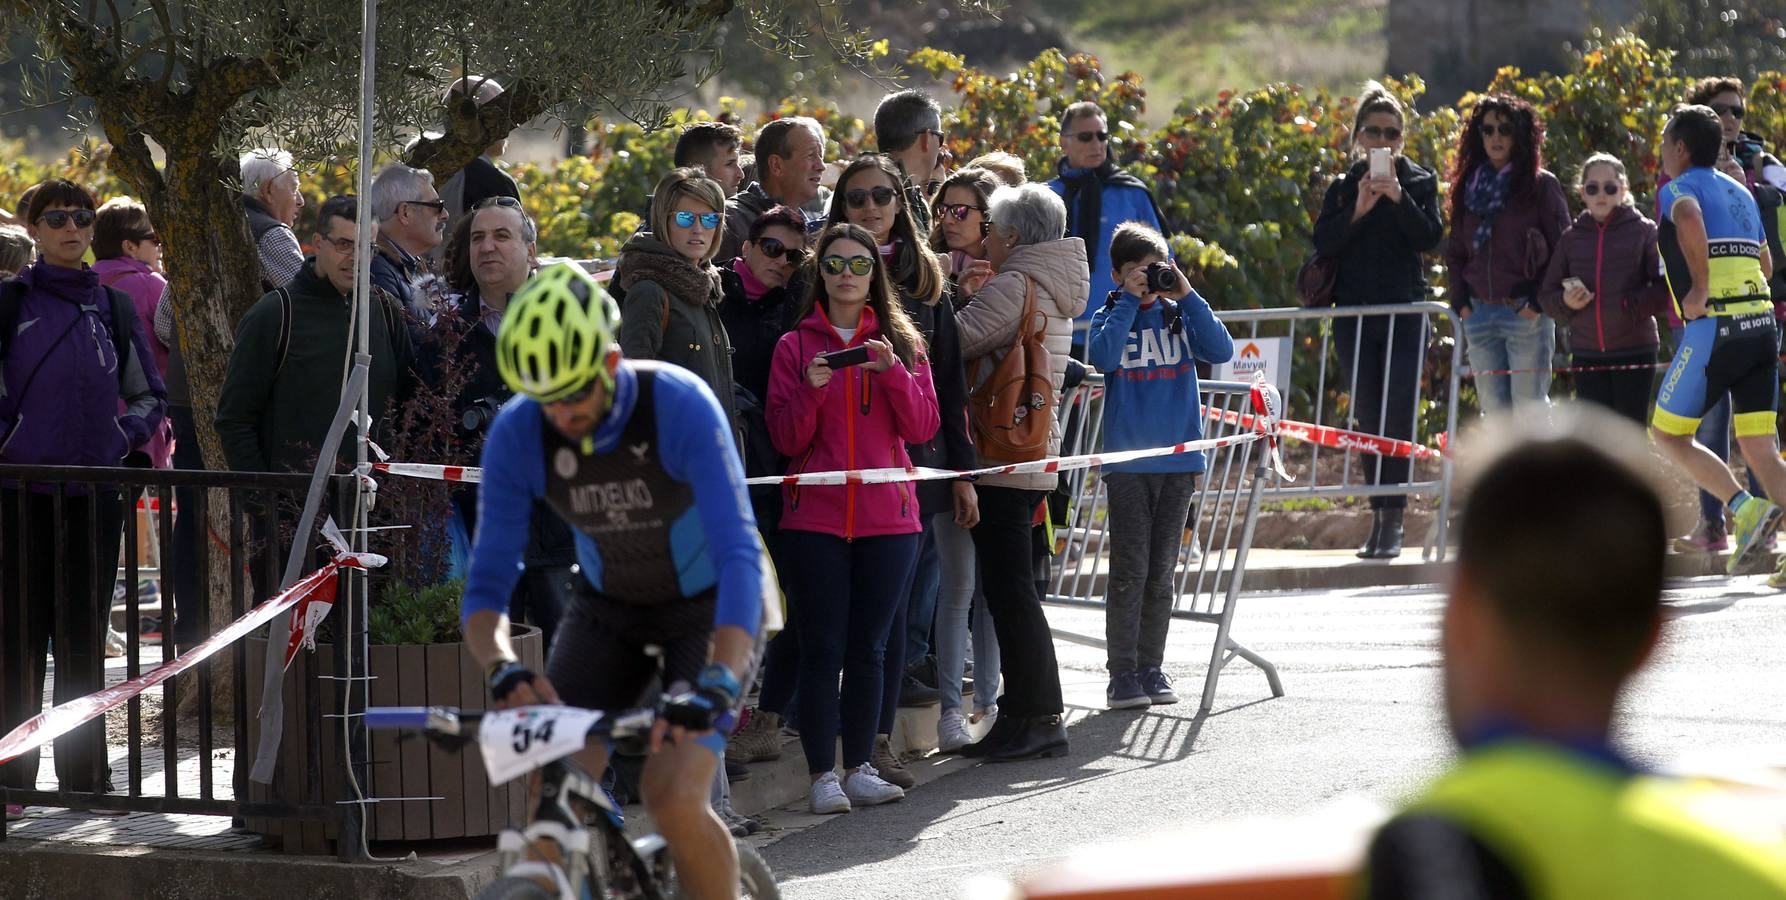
<point x="76" y="505"/>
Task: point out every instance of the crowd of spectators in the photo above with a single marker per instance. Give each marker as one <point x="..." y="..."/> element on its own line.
<point x="926" y="279"/>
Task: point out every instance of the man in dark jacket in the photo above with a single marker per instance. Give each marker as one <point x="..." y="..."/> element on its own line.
<point x="411" y="221"/>
<point x="790" y="155"/>
<point x="1099" y="196"/>
<point x="503" y="248"/>
<point x="281" y="388"/>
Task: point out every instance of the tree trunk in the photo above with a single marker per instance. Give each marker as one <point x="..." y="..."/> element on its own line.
<point x="214" y="276"/>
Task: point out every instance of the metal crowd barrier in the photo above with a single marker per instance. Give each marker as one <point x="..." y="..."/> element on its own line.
<point x="1212" y="560"/>
<point x="1336" y="342"/>
<point x="170" y="765"/>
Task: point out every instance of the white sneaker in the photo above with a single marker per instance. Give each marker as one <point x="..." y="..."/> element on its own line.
<point x="865" y="788"/>
<point x="989" y="714"/>
<point x="827" y="796"/>
<point x="951" y="732"/>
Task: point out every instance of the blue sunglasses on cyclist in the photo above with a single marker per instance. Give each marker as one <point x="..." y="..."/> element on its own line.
<point x="686" y="219"/>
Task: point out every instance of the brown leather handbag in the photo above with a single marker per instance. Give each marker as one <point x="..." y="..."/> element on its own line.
<point x="1013" y="410"/>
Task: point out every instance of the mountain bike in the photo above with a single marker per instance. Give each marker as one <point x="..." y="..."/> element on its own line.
<point x="557" y="856"/>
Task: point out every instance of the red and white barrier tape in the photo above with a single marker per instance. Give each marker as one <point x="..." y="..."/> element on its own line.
<point x="1339" y="438"/>
<point x="1266" y="403"/>
<point x="473" y="475"/>
<point x="65" y="717"/>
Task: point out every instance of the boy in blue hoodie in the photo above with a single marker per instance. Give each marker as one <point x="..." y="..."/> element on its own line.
<point x="1147" y="343"/>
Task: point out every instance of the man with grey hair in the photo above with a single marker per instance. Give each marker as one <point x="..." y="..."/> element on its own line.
<point x="271" y="200"/>
<point x="411" y="223"/>
<point x="1027" y="248"/>
<point x="790" y="155"/>
<point x="908" y="127"/>
<point x="481" y="179"/>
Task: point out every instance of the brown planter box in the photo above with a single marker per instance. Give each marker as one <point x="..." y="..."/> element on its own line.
<point x="403" y="675"/>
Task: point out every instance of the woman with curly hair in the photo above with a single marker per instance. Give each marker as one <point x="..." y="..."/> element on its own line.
<point x="1507" y="215"/>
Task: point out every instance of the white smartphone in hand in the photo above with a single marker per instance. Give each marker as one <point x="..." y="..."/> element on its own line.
<point x="1382" y="165"/>
<point x="1573" y="284"/>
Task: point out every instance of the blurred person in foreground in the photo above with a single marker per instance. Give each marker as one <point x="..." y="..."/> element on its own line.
<point x="1549" y="619"/>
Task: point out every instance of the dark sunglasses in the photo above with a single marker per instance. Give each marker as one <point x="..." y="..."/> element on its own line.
<point x="1384" y="134"/>
<point x="686" y="219"/>
<point x="436" y="205"/>
<point x="1089" y="136"/>
<point x="937" y="134"/>
<point x="859" y="198"/>
<point x="58" y="218"/>
<point x="1506" y="129"/>
<point x="150" y="238"/>
<point x="1733" y="110"/>
<point x="1610" y="188"/>
<point x="959" y="211"/>
<point x="858" y="265"/>
<point x="577" y="396"/>
<point x="775" y="249"/>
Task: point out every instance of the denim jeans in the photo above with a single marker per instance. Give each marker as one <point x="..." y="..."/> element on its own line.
<point x="1500" y="339"/>
<point x="1714" y="434"/>
<point x="920" y="611"/>
<point x="954" y="600"/>
<point x="848" y="594"/>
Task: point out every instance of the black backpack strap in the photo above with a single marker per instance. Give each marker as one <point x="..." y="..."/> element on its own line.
<point x="283" y="345"/>
<point x="12" y="293"/>
<point x="123" y="310"/>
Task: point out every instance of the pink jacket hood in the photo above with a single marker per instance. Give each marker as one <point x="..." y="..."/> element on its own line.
<point x="859" y="420"/>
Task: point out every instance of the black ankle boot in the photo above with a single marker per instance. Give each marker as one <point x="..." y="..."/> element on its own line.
<point x="1389" y="541"/>
<point x="1038" y="737"/>
<point x="1369" y="550"/>
<point x="1002" y="730"/>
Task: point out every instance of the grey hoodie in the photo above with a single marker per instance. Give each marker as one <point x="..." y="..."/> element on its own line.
<point x="989" y="324"/>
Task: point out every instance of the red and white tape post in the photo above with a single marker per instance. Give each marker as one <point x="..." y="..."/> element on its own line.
<point x="65" y="717"/>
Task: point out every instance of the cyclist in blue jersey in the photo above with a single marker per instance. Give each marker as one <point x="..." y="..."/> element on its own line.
<point x="1717" y="263"/>
<point x="638" y="459"/>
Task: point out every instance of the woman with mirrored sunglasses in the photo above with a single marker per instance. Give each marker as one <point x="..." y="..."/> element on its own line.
<point x="1375" y="229"/>
<point x="1507" y="214"/>
<point x="855" y="543"/>
<point x="922" y="289"/>
<point x="670" y="288"/>
<point x="1605" y="285"/>
<point x="80" y="389"/>
<point x="961" y="229"/>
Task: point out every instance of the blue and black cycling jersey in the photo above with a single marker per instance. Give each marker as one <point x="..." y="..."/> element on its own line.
<point x="655" y="498"/>
<point x="1732" y="349"/>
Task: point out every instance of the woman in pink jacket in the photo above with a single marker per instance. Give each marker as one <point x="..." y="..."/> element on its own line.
<point x="855" y="543"/>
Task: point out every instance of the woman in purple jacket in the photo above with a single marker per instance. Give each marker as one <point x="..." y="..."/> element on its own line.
<point x="1507" y="214"/>
<point x="1605" y="285"/>
<point x="61" y="333"/>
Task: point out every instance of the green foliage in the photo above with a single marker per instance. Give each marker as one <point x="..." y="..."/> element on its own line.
<point x="405" y="615"/>
<point x="1730" y="37"/>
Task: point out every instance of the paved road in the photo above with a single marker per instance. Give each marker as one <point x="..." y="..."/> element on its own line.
<point x="1361" y="718"/>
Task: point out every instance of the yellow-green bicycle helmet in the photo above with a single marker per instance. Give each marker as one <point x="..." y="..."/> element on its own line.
<point x="556" y="333"/>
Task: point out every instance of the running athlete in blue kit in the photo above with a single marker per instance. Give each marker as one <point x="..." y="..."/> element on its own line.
<point x="1717" y="264"/>
<point x="638" y="458"/>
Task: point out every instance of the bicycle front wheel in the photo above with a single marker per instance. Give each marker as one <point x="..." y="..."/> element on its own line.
<point x="755" y="881"/>
<point x="511" y="888"/>
<point x="754" y="875"/>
